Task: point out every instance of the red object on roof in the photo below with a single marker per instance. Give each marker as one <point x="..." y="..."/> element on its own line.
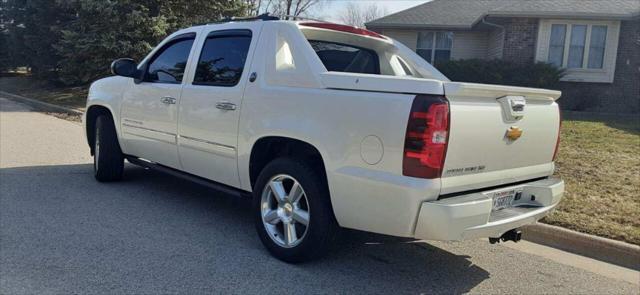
<point x="344" y="28"/>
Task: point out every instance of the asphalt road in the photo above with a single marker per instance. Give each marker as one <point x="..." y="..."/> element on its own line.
<point x="63" y="232"/>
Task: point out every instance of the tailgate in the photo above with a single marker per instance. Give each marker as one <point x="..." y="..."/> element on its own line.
<point x="483" y="117"/>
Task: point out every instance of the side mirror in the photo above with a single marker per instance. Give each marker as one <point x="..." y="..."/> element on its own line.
<point x="125" y="67"/>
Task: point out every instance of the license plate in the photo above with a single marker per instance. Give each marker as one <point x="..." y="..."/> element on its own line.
<point x="503" y="199"/>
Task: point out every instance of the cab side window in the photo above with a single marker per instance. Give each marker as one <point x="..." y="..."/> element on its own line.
<point x="168" y="65"/>
<point x="223" y="57"/>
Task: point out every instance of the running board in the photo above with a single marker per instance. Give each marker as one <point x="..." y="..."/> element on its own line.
<point x="223" y="188"/>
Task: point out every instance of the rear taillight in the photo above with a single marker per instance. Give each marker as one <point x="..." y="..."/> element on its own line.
<point x="425" y="145"/>
<point x="555" y="152"/>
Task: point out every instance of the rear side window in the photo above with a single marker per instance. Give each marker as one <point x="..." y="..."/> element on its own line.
<point x="223" y="57"/>
<point x="168" y="65"/>
<point x="338" y="57"/>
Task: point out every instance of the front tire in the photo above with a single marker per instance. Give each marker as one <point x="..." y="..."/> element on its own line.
<point x="293" y="213"/>
<point x="108" y="160"/>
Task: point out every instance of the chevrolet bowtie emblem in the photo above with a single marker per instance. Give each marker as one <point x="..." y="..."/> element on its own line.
<point x="514" y="132"/>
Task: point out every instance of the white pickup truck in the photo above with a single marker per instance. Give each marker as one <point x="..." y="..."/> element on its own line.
<point x="330" y="126"/>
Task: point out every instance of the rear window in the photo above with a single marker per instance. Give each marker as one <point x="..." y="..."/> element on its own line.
<point x="338" y="57"/>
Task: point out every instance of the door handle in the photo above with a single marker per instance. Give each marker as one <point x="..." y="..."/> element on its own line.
<point x="225" y="105"/>
<point x="168" y="100"/>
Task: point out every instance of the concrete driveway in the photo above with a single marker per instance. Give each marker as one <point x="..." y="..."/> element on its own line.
<point x="63" y="232"/>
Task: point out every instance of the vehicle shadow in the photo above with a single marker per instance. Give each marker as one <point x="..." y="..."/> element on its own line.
<point x="170" y="235"/>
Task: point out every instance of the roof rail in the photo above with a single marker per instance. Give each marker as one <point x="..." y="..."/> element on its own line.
<point x="294" y="17"/>
<point x="261" y="17"/>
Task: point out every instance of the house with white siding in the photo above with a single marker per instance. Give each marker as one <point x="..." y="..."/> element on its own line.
<point x="597" y="42"/>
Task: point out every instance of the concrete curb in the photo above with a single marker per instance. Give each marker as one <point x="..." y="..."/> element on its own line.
<point x="616" y="252"/>
<point x="40" y="104"/>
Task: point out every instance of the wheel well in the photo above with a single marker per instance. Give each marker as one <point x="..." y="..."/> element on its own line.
<point x="92" y="115"/>
<point x="269" y="148"/>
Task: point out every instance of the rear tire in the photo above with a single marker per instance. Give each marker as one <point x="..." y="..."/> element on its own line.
<point x="108" y="160"/>
<point x="294" y="227"/>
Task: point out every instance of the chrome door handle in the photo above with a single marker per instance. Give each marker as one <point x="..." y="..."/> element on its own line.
<point x="225" y="105"/>
<point x="168" y="100"/>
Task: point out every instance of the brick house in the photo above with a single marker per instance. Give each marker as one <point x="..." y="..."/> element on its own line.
<point x="596" y="41"/>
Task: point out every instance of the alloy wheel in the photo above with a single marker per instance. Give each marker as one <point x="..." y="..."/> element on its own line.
<point x="285" y="210"/>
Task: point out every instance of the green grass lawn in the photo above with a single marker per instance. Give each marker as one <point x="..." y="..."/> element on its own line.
<point x="74" y="97"/>
<point x="599" y="160"/>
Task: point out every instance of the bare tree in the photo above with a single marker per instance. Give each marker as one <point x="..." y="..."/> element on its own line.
<point x="253" y="6"/>
<point x="358" y="15"/>
<point x="283" y="8"/>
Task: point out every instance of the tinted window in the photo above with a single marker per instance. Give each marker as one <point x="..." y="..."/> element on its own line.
<point x="168" y="66"/>
<point x="346" y="58"/>
<point x="222" y="59"/>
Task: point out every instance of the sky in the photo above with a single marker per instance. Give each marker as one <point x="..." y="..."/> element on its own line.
<point x="332" y="9"/>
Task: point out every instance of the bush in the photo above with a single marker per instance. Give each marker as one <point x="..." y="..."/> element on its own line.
<point x="538" y="75"/>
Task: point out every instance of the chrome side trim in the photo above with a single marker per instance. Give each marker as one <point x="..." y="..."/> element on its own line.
<point x="132" y="121"/>
<point x="168" y="136"/>
<point x="149" y="129"/>
<point x="208" y="146"/>
<point x="150" y="138"/>
<point x="209" y="142"/>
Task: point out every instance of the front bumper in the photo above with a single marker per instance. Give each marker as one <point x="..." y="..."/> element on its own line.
<point x="471" y="216"/>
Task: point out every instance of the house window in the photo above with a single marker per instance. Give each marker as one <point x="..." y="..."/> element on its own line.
<point x="596" y="46"/>
<point x="435" y="46"/>
<point x="586" y="48"/>
<point x="556" y="44"/>
<point x="577" y="46"/>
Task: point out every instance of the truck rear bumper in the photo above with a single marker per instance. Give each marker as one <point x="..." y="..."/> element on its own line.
<point x="472" y="216"/>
